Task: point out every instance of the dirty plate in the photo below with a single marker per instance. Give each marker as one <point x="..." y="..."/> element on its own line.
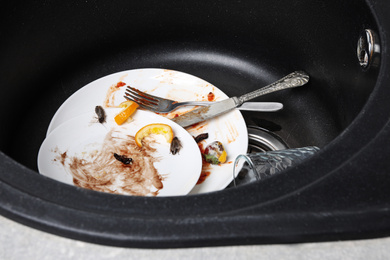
<point x="81" y="152"/>
<point x="229" y="128"/>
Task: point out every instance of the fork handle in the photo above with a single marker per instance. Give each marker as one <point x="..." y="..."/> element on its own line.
<point x="292" y="80"/>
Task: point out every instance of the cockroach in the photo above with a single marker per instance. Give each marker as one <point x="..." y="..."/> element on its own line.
<point x="175" y="145"/>
<point x="101" y="114"/>
<point x="123" y="159"/>
<point x="201" y="137"/>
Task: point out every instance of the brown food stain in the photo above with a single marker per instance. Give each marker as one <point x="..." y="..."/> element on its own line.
<point x="109" y="100"/>
<point x="61" y="157"/>
<point x="203" y="176"/>
<point x="206" y="167"/>
<point x="232" y="132"/>
<point x="102" y="172"/>
<point x="120" y="84"/>
<point x="211" y="96"/>
<point x="198" y="127"/>
<point x="167" y="77"/>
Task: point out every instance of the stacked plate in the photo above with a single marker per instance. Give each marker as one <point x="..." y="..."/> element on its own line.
<point x="79" y="149"/>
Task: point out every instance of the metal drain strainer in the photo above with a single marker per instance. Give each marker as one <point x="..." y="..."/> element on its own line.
<point x="262" y="140"/>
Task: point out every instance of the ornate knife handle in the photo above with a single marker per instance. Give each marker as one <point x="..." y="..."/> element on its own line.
<point x="295" y="79"/>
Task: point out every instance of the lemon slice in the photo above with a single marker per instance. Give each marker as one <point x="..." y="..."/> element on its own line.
<point x="161" y="129"/>
<point x="129" y="108"/>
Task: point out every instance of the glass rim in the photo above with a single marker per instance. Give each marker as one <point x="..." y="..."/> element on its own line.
<point x="250" y="163"/>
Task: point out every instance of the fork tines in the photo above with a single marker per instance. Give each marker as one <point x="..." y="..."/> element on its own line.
<point x="141" y="98"/>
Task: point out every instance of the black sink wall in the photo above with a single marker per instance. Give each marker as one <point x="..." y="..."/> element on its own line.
<point x="51" y="49"/>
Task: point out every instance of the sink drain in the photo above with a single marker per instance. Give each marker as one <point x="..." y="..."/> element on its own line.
<point x="259" y="140"/>
<point x="262" y="140"/>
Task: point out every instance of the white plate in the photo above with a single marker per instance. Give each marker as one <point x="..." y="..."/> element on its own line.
<point x="83" y="138"/>
<point x="230" y="128"/>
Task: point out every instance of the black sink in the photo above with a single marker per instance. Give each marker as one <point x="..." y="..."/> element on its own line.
<point x="52" y="49"/>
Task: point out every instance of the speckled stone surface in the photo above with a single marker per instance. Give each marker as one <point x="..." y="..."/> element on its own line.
<point x="21" y="242"/>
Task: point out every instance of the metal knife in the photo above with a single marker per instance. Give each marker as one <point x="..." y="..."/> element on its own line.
<point x="260" y="106"/>
<point x="295" y="79"/>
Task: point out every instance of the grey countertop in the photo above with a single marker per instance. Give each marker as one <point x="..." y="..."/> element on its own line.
<point x="21" y="242"/>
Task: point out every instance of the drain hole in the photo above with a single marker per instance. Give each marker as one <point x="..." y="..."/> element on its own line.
<point x="262" y="140"/>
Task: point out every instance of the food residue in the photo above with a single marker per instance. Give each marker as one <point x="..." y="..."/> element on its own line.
<point x="101" y="171"/>
<point x="157" y="128"/>
<point x="110" y="95"/>
<point x="211" y="96"/>
<point x="61" y="157"/>
<point x="204" y="174"/>
<point x="232" y="132"/>
<point x="129" y="107"/>
<point x="215" y="153"/>
<point x="206" y="167"/>
<point x="120" y="84"/>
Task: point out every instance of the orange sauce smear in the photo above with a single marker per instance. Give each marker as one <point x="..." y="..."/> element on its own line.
<point x="206" y="168"/>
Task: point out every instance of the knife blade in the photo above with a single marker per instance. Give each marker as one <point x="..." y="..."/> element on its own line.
<point x="295" y="79"/>
<point x="204" y="113"/>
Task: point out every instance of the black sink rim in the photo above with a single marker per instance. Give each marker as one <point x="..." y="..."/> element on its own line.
<point x="167" y="222"/>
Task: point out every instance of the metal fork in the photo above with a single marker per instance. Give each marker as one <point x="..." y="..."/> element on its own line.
<point x="158" y="104"/>
<point x="163" y="105"/>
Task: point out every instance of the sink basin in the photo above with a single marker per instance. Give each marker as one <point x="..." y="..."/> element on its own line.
<point x="50" y="50"/>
